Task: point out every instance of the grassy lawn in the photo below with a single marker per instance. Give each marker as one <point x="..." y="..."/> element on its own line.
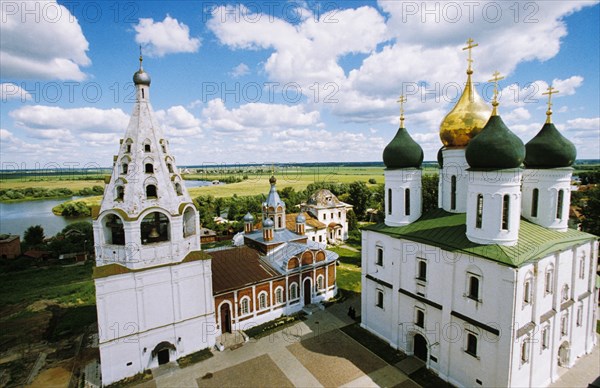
<point x="348" y="270"/>
<point x="68" y="286"/>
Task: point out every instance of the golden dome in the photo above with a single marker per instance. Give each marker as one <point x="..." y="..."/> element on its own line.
<point x="466" y="119"/>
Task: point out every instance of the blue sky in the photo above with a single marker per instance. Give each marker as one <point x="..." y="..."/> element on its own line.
<point x="281" y="81"/>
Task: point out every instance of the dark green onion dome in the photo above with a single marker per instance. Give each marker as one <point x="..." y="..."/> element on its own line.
<point x="140" y="77"/>
<point x="495" y="147"/>
<point x="440" y="157"/>
<point x="403" y="151"/>
<point x="549" y="149"/>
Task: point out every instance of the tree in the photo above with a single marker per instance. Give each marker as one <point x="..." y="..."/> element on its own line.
<point x="591" y="212"/>
<point x="359" y="197"/>
<point x="429" y="190"/>
<point x="34" y="235"/>
<point x="352" y="221"/>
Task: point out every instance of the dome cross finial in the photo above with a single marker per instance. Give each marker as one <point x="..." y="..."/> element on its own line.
<point x="495" y="78"/>
<point x="401" y="100"/>
<point x="469" y="47"/>
<point x="549" y="93"/>
<point x="141" y="58"/>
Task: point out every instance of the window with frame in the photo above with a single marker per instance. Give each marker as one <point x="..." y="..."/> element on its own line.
<point x="471" y="344"/>
<point x="379" y="258"/>
<point x="579" y="320"/>
<point x="453" y="192"/>
<point x="146" y="147"/>
<point x="582" y="267"/>
<point x="534" y="202"/>
<point x="479" y="215"/>
<point x="262" y="300"/>
<point x="525" y="350"/>
<point x="545" y="337"/>
<point x="320" y="282"/>
<point x="244" y="306"/>
<point x="419" y="317"/>
<point x="559" y="204"/>
<point x="379" y="299"/>
<point x="279" y="295"/>
<point x="565" y="293"/>
<point x="422" y="270"/>
<point x="407" y="202"/>
<point x="527" y="290"/>
<point x="294" y="291"/>
<point x="505" y="211"/>
<point x="473" y="287"/>
<point x="549" y="280"/>
<point x="149" y="168"/>
<point x="389" y="201"/>
<point x="564" y="324"/>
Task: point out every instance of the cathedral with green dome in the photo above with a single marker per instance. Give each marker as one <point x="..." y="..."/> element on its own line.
<point x="492" y="288"/>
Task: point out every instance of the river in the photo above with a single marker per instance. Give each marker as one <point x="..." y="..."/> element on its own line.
<point x="16" y="217"/>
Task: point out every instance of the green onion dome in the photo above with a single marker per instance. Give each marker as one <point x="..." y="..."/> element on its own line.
<point x="495" y="147"/>
<point x="403" y="151"/>
<point x="440" y="157"/>
<point x="549" y="149"/>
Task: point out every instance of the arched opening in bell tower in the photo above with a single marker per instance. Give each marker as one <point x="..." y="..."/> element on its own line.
<point x="155" y="228"/>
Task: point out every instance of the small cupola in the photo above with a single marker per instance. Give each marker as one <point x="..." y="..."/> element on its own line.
<point x="300" y="224"/>
<point x="248" y="223"/>
<point x="268" y="226"/>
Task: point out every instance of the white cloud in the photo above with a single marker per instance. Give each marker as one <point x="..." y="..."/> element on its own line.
<point x="166" y="37"/>
<point x="240" y="70"/>
<point x="47" y="43"/>
<point x="41" y="117"/>
<point x="10" y="91"/>
<point x="584" y="124"/>
<point x="179" y="122"/>
<point x="567" y="87"/>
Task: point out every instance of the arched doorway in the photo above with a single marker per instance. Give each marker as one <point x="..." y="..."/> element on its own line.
<point x="307" y="292"/>
<point x="162" y="352"/>
<point x="563" y="354"/>
<point x="420" y="347"/>
<point x="225" y="313"/>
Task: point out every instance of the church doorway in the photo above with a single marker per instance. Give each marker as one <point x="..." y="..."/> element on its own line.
<point x="163" y="356"/>
<point x="420" y="347"/>
<point x="563" y="354"/>
<point x="307" y="292"/>
<point x="225" y="318"/>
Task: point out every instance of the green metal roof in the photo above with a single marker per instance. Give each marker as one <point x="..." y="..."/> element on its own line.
<point x="448" y="231"/>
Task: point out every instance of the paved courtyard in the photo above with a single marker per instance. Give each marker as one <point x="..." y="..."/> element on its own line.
<point x="314" y="353"/>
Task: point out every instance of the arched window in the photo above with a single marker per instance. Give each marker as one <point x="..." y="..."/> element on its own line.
<point x="143" y="93"/>
<point x="245" y="306"/>
<point x="389" y="201"/>
<point x="534" y="202"/>
<point x="559" y="204"/>
<point x="379" y="300"/>
<point x="178" y="188"/>
<point x="422" y="270"/>
<point x="262" y="300"/>
<point x="479" y="209"/>
<point x="453" y="192"/>
<point x="149" y="168"/>
<point x="124" y="168"/>
<point x="294" y="291"/>
<point x="189" y="222"/>
<point x="114" y="233"/>
<point x="164" y="149"/>
<point x="525" y="351"/>
<point x="170" y="167"/>
<point x="528" y="289"/>
<point x="407" y="202"/>
<point x="565" y="293"/>
<point x="419" y="317"/>
<point x="549" y="279"/>
<point x="155" y="228"/>
<point x="379" y="259"/>
<point x="151" y="191"/>
<point x="505" y="211"/>
<point x="320" y="282"/>
<point x="582" y="267"/>
<point x="279" y="295"/>
<point x="472" y="344"/>
<point x="146" y="147"/>
<point x="120" y="191"/>
<point x="473" y="287"/>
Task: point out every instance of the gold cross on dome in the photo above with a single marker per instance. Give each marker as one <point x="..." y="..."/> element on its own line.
<point x="549" y="93"/>
<point x="141" y="59"/>
<point x="469" y="47"/>
<point x="401" y="101"/>
<point x="496" y="77"/>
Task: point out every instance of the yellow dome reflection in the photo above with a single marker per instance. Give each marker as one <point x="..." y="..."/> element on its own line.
<point x="466" y="119"/>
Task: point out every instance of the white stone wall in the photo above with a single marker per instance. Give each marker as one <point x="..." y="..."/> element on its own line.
<point x="455" y="164"/>
<point x="398" y="181"/>
<point x="548" y="182"/>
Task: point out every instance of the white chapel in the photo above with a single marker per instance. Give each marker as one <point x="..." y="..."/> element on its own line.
<point x="491" y="288"/>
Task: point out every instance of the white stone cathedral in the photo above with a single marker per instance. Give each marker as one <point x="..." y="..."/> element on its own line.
<point x="153" y="284"/>
<point x="491" y="288"/>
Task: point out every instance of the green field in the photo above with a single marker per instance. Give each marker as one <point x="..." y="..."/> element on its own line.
<point x="348" y="270"/>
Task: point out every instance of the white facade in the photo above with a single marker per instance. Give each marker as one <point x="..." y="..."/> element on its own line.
<point x="454" y="180"/>
<point x="546" y="197"/>
<point x="402" y="196"/>
<point x="326" y="208"/>
<point x="499" y="317"/>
